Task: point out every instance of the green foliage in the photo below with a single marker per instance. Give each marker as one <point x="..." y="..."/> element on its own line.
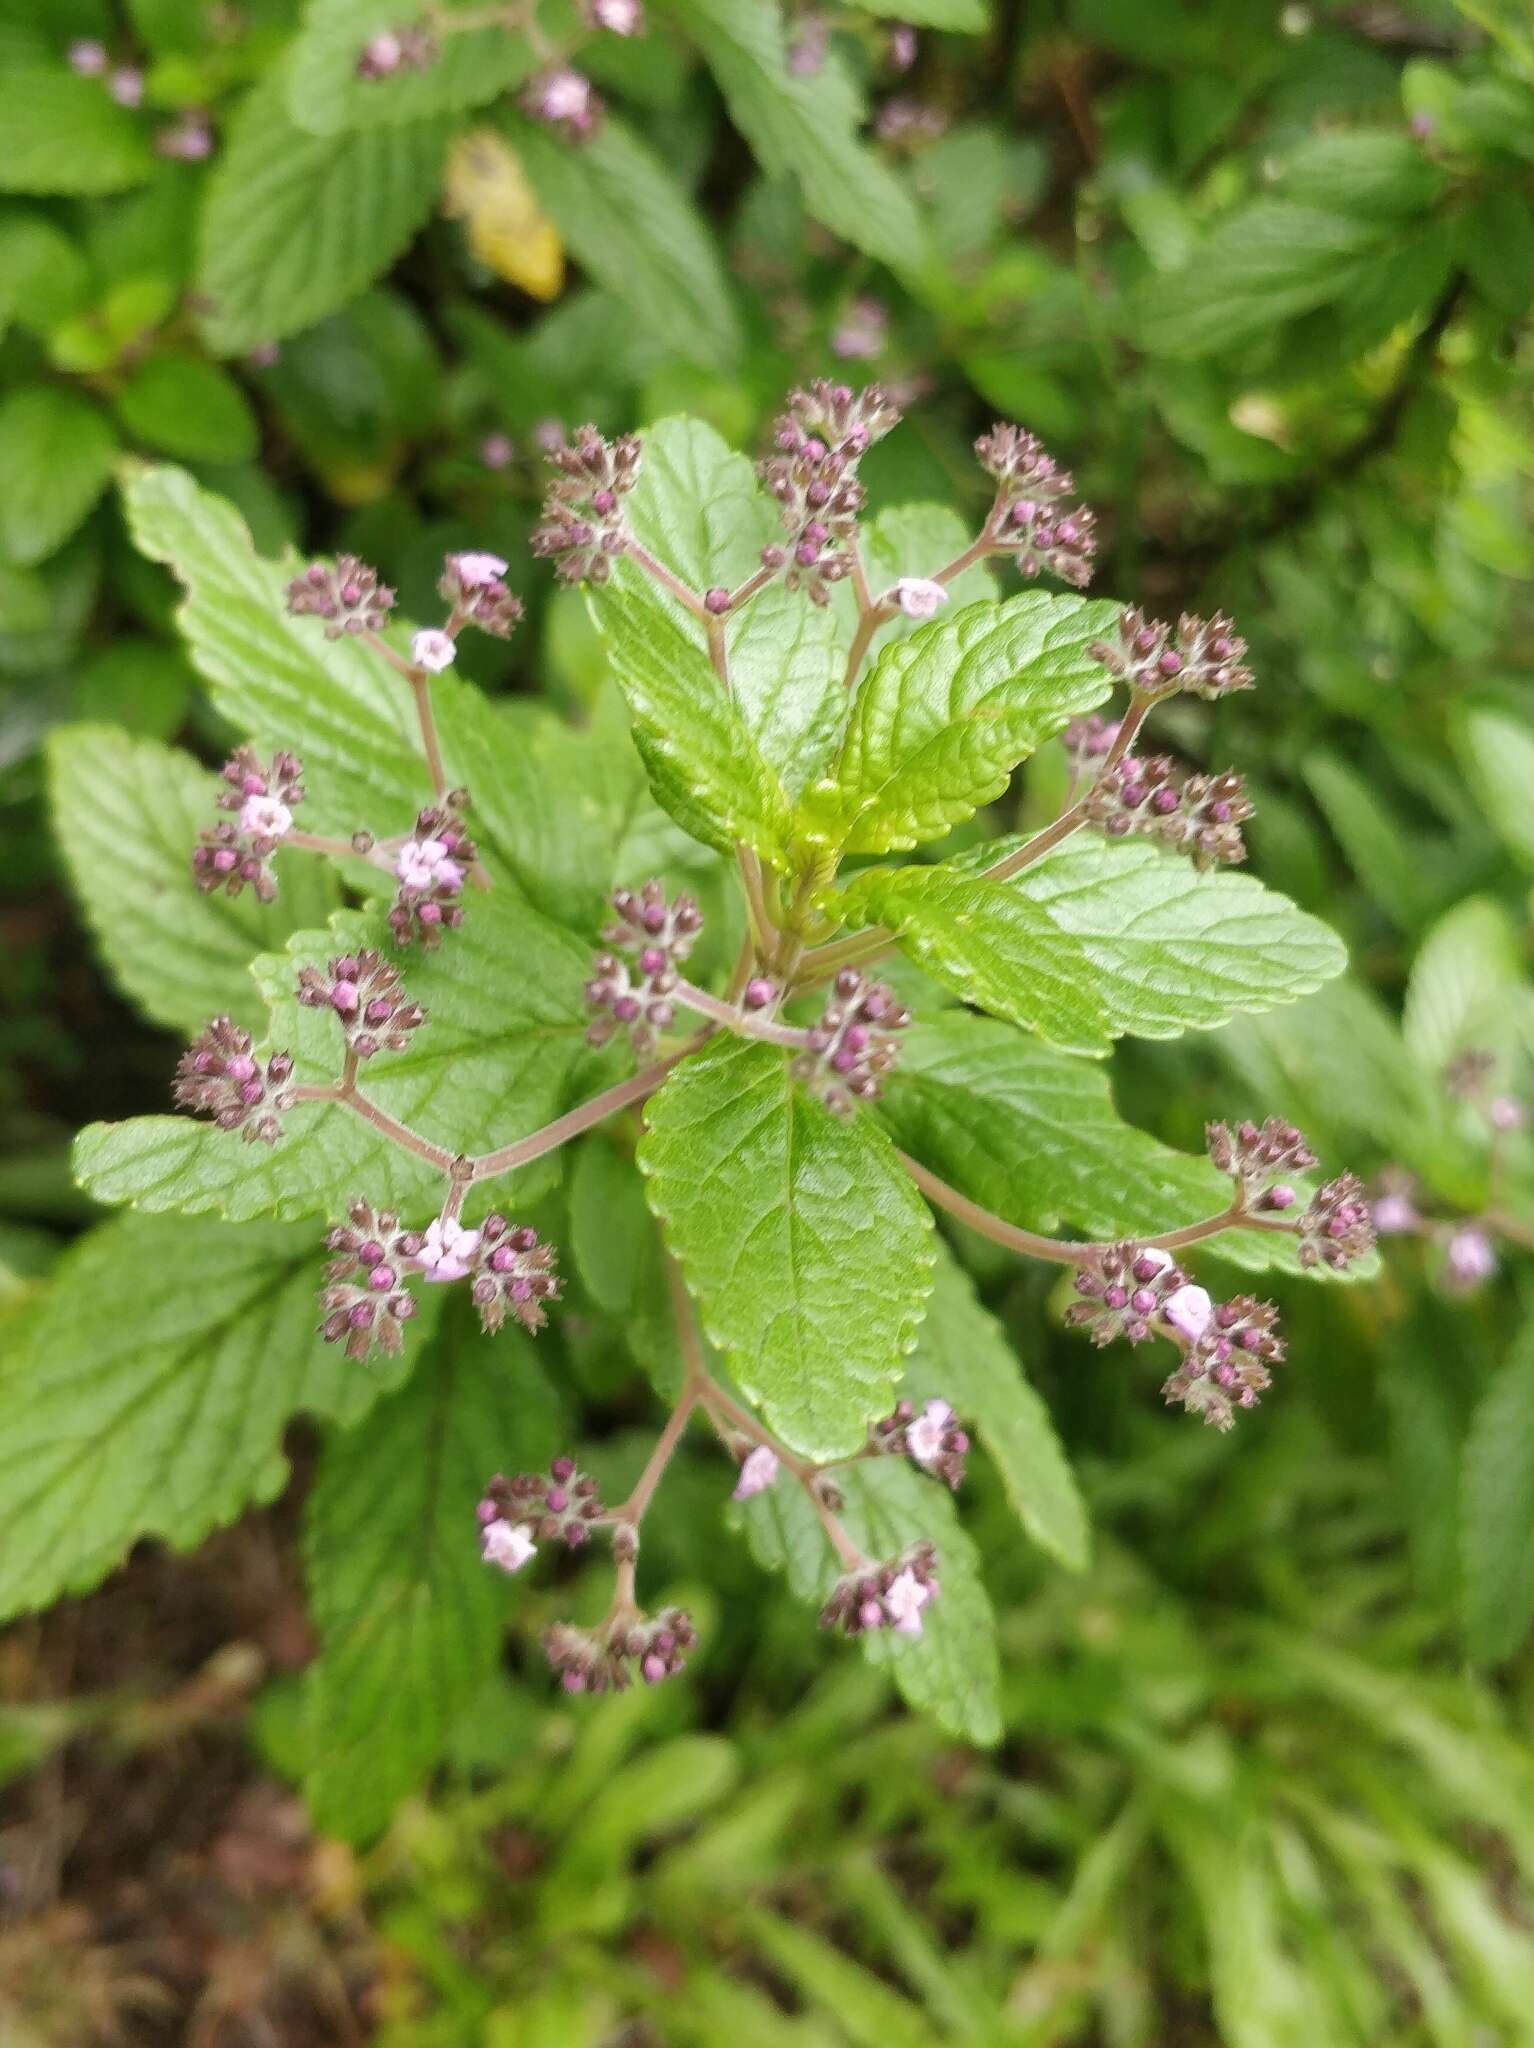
<point x="62" y="134"/>
<point x="56" y="454"/>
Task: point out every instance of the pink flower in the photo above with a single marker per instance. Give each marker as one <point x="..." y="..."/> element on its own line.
<point x="619" y="17"/>
<point x="507" y="1544"/>
<point x="1187" y="1311"/>
<point x="447" y="1250"/>
<point x="904" y="1600"/>
<point x="1507" y="1113"/>
<point x="433" y="649"/>
<point x="88" y="57"/>
<point x="757" y="1473"/>
<point x="428" y="864"/>
<point x="127" y="87"/>
<point x="474" y="571"/>
<point x="919" y="597"/>
<point x="265" y="817"/>
<point x="1470" y="1257"/>
<point x="1394" y="1215"/>
<point x="924" y="1436"/>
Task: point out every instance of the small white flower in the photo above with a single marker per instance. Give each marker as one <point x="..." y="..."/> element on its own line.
<point x="904" y="1601"/>
<point x="619" y="17"/>
<point x="265" y="817"/>
<point x="508" y="1544"/>
<point x="564" y="96"/>
<point x="919" y="597"/>
<point x="427" y="864"/>
<point x="757" y="1473"/>
<point x="1158" y="1257"/>
<point x="448" y="1249"/>
<point x="924" y="1436"/>
<point x="1188" y="1311"/>
<point x="474" y="571"/>
<point x="433" y="649"/>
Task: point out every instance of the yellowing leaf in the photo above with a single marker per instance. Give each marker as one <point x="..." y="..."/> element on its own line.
<point x="486" y="187"/>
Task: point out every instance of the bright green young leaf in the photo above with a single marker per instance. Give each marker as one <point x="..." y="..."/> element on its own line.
<point x="325" y="95"/>
<point x="167" y="1420"/>
<point x="127" y="813"/>
<point x="1498" y="755"/>
<point x="962" y="1356"/>
<point x="704" y="766"/>
<point x="295" y="224"/>
<point x="63" y="134"/>
<point x="497" y="1058"/>
<point x="991" y="945"/>
<point x="950" y="1670"/>
<point x="629" y="223"/>
<point x="1497" y="1507"/>
<point x="56" y="455"/>
<point x="187" y="406"/>
<point x="808" y="1247"/>
<point x="410" y="1618"/>
<point x="941" y="719"/>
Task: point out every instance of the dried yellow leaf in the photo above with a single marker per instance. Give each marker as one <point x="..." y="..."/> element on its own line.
<point x="486" y="187"/>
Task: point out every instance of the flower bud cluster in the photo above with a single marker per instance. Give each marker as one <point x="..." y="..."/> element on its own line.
<point x="512" y="1274"/>
<point x="850" y="1050"/>
<point x="658" y="936"/>
<point x="236" y="855"/>
<point x="582" y="527"/>
<point x="431" y="867"/>
<point x="555" y="1507"/>
<point x="931" y="1436"/>
<point x="1200" y="815"/>
<point x="347" y="596"/>
<point x="1202" y="655"/>
<point x="409" y="47"/>
<point x="1125" y="1288"/>
<point x="365" y="1300"/>
<point x="1228" y="1367"/>
<point x="1257" y="1157"/>
<point x="566" y="101"/>
<point x="818" y="443"/>
<point x="1087" y="740"/>
<point x="1337" y="1228"/>
<point x="473" y="583"/>
<point x="888" y="1595"/>
<point x="610" y="1658"/>
<point x="219" y="1076"/>
<point x="1032" y="520"/>
<point x="368" y="997"/>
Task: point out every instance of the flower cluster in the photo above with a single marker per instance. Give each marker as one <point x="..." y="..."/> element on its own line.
<point x="1124" y="1288"/>
<point x="557" y="1507"/>
<point x="1257" y="1157"/>
<point x="346" y="595"/>
<point x="1031" y="520"/>
<point x="658" y="936"/>
<point x="513" y="1274"/>
<point x="888" y="1595"/>
<point x="219" y="1076"/>
<point x="1201" y="655"/>
<point x="609" y="1658"/>
<point x="368" y="997"/>
<point x="473" y="583"/>
<point x="365" y="1300"/>
<point x="431" y="867"/>
<point x="1337" y="1227"/>
<point x="818" y="443"/>
<point x="566" y="101"/>
<point x="1200" y="815"/>
<point x="931" y="1436"/>
<point x="236" y="854"/>
<point x="1227" y="1367"/>
<point x="582" y="527"/>
<point x="852" y="1047"/>
<point x="409" y="47"/>
<point x="1087" y="740"/>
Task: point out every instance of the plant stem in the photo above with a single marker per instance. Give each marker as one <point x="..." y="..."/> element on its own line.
<point x="1075" y="816"/>
<point x="335" y="849"/>
<point x="688" y="599"/>
<point x="400" y="1134"/>
<point x="621" y="1096"/>
<point x="737" y="1020"/>
<point x="632" y="1510"/>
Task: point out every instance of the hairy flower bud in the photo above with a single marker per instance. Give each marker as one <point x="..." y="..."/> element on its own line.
<point x="431" y="867"/>
<point x="931" y="1436"/>
<point x="634" y="994"/>
<point x="1086" y="740"/>
<point x="511" y="1272"/>
<point x="365" y="1301"/>
<point x="219" y="1076"/>
<point x="347" y="596"/>
<point x="1228" y="1366"/>
<point x="1258" y="1156"/>
<point x="473" y="584"/>
<point x="853" y="1046"/>
<point x="1202" y="655"/>
<point x="607" y="1659"/>
<point x="566" y="101"/>
<point x="1199" y="815"/>
<point x="817" y="445"/>
<point x="237" y="855"/>
<point x="368" y="998"/>
<point x="1032" y="520"/>
<point x="582" y="529"/>
<point x="758" y="1471"/>
<point x="1337" y="1228"/>
<point x="558" y="1506"/>
<point x="888" y="1595"/>
<point x="409" y="47"/>
<point x="1124" y="1288"/>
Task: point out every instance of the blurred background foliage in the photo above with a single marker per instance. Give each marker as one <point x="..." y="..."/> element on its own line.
<point x="1262" y="275"/>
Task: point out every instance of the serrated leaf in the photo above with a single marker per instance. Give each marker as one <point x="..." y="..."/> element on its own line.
<point x="63" y="134"/>
<point x="1173" y="950"/>
<point x="704" y="766"/>
<point x="1497" y="1510"/>
<point x="127" y="813"/>
<point x="950" y="1670"/>
<point x="56" y="455"/>
<point x="325" y="94"/>
<point x="294" y="225"/>
<point x="166" y="1420"/>
<point x="941" y="719"/>
<point x="497" y="1058"/>
<point x="410" y="1618"/>
<point x="963" y="1357"/>
<point x="637" y="232"/>
<point x="805" y="1243"/>
<point x="991" y="945"/>
<point x="187" y="406"/>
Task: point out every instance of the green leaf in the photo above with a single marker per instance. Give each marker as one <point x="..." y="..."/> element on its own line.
<point x="950" y="1670"/>
<point x="968" y="17"/>
<point x="56" y="455"/>
<point x="704" y="766"/>
<point x="963" y="1356"/>
<point x="991" y="945"/>
<point x="127" y="813"/>
<point x="166" y="1420"/>
<point x="1498" y="756"/>
<point x="410" y="1618"/>
<point x="325" y="95"/>
<point x="808" y="1248"/>
<point x="496" y="1059"/>
<point x="63" y="134"/>
<point x="189" y="407"/>
<point x="1173" y="950"/>
<point x="804" y="128"/>
<point x="629" y="223"/>
<point x="1497" y="1506"/>
<point x="43" y="276"/>
<point x="295" y="224"/>
<point x="1467" y="987"/>
<point x="942" y="719"/>
<point x="1382" y="176"/>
